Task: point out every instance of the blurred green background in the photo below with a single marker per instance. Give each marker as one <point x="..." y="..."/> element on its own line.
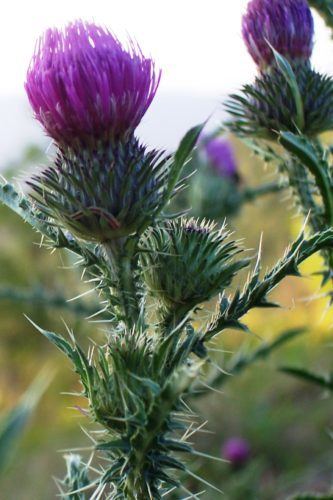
<point x="285" y="421"/>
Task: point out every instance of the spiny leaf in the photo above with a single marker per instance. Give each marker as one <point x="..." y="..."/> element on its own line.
<point x="290" y="77"/>
<point x="182" y="154"/>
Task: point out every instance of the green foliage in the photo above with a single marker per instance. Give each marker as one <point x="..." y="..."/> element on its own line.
<point x="134" y="387"/>
<point x="180" y="159"/>
<point x="314" y="158"/>
<point x="213" y="196"/>
<point x="133" y="390"/>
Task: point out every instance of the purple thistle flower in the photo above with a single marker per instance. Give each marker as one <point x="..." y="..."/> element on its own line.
<point x="286" y="24"/>
<point x="237" y="451"/>
<point x="221" y="156"/>
<point x="83" y="85"/>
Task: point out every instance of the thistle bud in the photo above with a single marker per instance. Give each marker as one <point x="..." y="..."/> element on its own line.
<point x="187" y="262"/>
<point x="221" y="156"/>
<point x="90" y="93"/>
<point x="214" y="191"/>
<point x="288" y="94"/>
<point x="285" y="25"/>
<point x="237" y="451"/>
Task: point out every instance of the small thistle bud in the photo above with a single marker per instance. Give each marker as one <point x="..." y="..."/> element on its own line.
<point x="237" y="451"/>
<point x="187" y="262"/>
<point x="214" y="190"/>
<point x="221" y="156"/>
<point x="285" y="25"/>
<point x="90" y="93"/>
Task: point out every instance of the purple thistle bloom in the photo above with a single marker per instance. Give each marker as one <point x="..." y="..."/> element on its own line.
<point x="83" y="85"/>
<point x="286" y="24"/>
<point x="237" y="451"/>
<point x="221" y="156"/>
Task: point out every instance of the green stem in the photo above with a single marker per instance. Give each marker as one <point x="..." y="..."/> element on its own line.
<point x="123" y="267"/>
<point x="256" y="290"/>
<point x="250" y="194"/>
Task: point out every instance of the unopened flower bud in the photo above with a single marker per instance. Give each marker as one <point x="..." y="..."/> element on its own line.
<point x="237" y="451"/>
<point x="187" y="262"/>
<point x="221" y="156"/>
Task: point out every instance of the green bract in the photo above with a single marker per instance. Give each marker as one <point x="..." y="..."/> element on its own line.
<point x="103" y="194"/>
<point x="296" y="99"/>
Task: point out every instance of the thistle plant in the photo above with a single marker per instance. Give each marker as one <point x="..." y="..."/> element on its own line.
<point x="104" y="198"/>
<point x="289" y="104"/>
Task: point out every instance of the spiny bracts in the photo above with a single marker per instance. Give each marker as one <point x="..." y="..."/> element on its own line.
<point x="186" y="262"/>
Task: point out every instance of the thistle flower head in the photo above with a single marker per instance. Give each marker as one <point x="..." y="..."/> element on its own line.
<point x="287" y="25"/>
<point x="220" y="154"/>
<point x="83" y="85"/>
<point x="237" y="451"/>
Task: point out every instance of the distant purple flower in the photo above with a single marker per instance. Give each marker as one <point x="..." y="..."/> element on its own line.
<point x="237" y="451"/>
<point x="221" y="156"/>
<point x="84" y="85"/>
<point x="287" y="25"/>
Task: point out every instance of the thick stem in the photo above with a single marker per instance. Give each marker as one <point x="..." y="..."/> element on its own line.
<point x="122" y="267"/>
